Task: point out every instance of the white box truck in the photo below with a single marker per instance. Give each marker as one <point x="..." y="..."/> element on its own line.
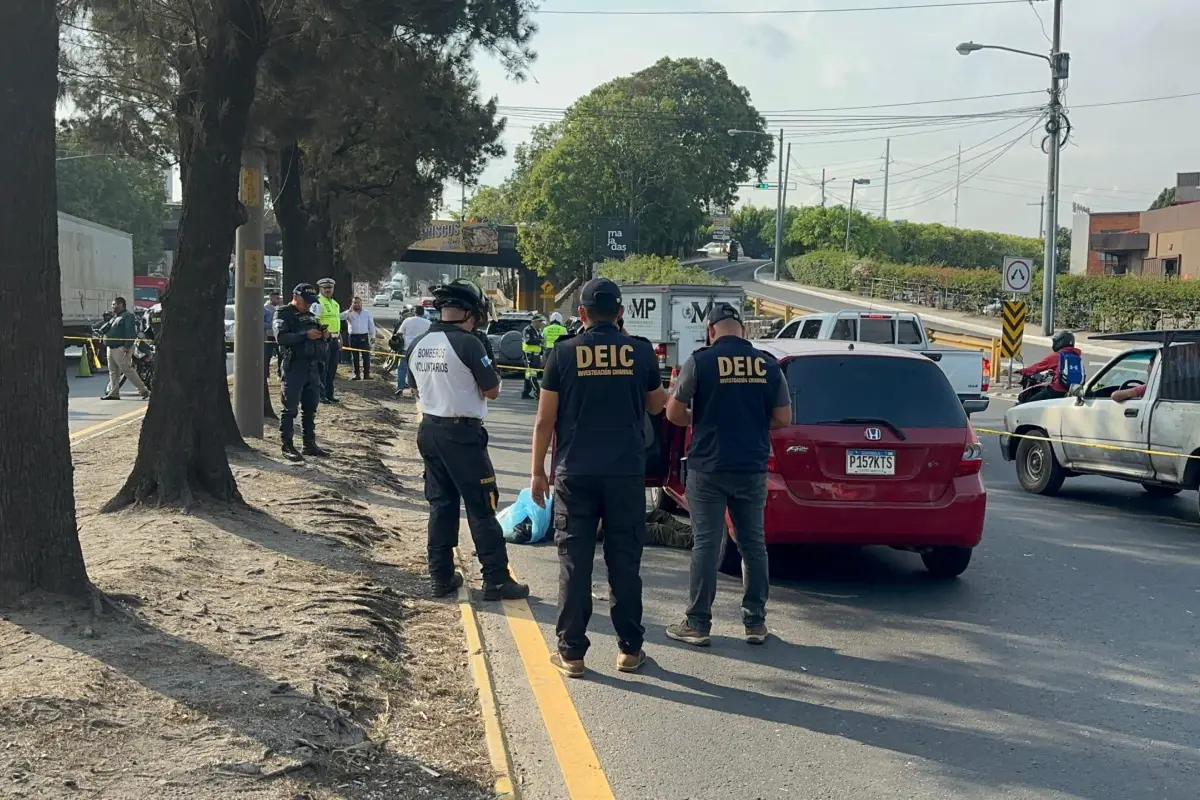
<point x="96" y="265"/>
<point x="673" y="317"/>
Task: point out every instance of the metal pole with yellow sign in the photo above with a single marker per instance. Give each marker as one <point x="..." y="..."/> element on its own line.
<point x="1012" y="315"/>
<point x="248" y="335"/>
<point x="547" y="297"/>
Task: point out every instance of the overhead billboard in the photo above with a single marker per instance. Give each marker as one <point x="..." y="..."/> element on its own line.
<point x="451" y="236"/>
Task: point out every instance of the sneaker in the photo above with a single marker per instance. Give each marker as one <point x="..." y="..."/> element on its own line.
<point x="109" y="397"/>
<point x="145" y="396"/>
<point x="311" y="449"/>
<point x="356" y="378"/>
<point x="291" y="453"/>
<point x="684" y="632"/>
<point x="631" y="663"/>
<point x="757" y="634"/>
<point x="572" y="668"/>
<point x="449" y="587"/>
<point x="509" y="590"/>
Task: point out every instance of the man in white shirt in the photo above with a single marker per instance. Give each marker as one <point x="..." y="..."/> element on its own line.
<point x="409" y="330"/>
<point x="362" y="337"/>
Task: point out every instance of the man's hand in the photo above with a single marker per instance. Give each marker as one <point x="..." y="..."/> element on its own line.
<point x="539" y="487"/>
<point x="315" y="333"/>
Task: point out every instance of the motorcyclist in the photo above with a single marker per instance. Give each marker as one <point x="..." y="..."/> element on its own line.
<point x="1067" y="363"/>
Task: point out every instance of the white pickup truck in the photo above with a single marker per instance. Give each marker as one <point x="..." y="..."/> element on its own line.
<point x="963" y="368"/>
<point x="1151" y="437"/>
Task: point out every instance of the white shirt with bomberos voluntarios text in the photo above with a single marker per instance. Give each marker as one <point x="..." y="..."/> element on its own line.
<point x="450" y="370"/>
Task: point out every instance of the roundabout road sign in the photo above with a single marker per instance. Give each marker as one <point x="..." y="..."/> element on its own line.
<point x="1018" y="275"/>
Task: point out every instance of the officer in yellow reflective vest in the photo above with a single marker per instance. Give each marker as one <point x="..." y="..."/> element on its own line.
<point x="552" y="332"/>
<point x="329" y="315"/>
<point x="531" y="345"/>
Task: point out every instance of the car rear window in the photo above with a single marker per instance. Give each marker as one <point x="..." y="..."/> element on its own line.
<point x="877" y="331"/>
<point x="907" y="392"/>
<point x="503" y="326"/>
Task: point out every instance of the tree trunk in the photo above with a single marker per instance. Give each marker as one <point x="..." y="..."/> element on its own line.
<point x="181" y="454"/>
<point x="299" y="251"/>
<point x="39" y="543"/>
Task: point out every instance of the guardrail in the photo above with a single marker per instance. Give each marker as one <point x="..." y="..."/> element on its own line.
<point x="773" y="308"/>
<point x="988" y="344"/>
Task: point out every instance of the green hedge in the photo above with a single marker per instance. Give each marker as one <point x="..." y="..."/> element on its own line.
<point x="1093" y="303"/>
<point x="655" y="270"/>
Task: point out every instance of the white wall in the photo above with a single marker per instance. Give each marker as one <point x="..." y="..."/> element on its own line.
<point x="1081" y="226"/>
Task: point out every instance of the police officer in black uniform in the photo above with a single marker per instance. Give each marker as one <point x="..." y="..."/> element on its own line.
<point x="453" y="377"/>
<point x="737" y="395"/>
<point x="596" y="389"/>
<point x="532" y="344"/>
<point x="303" y="345"/>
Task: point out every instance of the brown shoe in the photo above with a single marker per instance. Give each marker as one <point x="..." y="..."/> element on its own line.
<point x="684" y="632"/>
<point x="757" y="634"/>
<point x="631" y="663"/>
<point x="572" y="668"/>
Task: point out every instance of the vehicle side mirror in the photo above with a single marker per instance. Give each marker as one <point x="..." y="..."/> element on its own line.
<point x="1077" y="391"/>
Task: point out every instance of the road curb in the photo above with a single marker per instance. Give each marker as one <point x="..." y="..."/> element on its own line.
<point x="489" y="703"/>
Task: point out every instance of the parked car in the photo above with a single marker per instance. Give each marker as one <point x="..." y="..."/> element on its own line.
<point x="966" y="369"/>
<point x="857" y="466"/>
<point x="505" y="335"/>
<point x="1153" y="439"/>
<point x="382" y="299"/>
<point x="229" y="327"/>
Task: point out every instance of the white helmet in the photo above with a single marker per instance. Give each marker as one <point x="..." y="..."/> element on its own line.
<point x="556" y="318"/>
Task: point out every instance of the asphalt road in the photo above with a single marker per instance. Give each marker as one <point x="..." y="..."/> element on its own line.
<point x="1063" y="664"/>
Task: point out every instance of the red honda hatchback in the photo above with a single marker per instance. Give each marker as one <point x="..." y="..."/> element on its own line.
<point x="879" y="452"/>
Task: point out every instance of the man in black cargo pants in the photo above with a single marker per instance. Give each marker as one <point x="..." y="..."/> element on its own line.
<point x="597" y="387"/>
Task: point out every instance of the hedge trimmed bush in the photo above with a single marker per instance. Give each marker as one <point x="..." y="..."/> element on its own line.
<point x="655" y="270"/>
<point x="1094" y="303"/>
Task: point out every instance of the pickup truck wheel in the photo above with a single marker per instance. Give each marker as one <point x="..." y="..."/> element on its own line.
<point x="1038" y="470"/>
<point x="947" y="562"/>
<point x="657" y="499"/>
<point x="1155" y="490"/>
<point x="729" y="558"/>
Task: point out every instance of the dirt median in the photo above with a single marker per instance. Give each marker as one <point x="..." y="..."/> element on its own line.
<point x="286" y="649"/>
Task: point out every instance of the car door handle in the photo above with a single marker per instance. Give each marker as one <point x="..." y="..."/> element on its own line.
<point x="1131" y="412"/>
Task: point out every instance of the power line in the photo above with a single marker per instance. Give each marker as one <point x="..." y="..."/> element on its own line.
<point x="1075" y="106"/>
<point x="780" y="11"/>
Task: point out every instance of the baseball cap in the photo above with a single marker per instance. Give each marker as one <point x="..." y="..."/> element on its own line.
<point x="601" y="294"/>
<point x="723" y="311"/>
<point x="305" y="292"/>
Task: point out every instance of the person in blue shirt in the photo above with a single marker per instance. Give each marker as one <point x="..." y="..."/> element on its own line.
<point x="737" y="394"/>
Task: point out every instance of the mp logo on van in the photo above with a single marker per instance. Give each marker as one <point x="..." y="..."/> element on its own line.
<point x="642" y="307"/>
<point x="697" y="314"/>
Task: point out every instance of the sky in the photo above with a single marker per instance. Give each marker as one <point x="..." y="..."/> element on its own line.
<point x="1119" y="157"/>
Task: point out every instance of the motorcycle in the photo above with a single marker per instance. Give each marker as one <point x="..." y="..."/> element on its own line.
<point x="1032" y="384"/>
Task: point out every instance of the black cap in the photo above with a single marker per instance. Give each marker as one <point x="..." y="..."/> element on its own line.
<point x="723" y="311"/>
<point x="601" y="294"/>
<point x="306" y="292"/>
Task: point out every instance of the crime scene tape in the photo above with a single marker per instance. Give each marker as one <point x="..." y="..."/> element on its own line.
<point x="1097" y="445"/>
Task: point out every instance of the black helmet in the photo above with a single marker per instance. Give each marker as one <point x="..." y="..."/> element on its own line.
<point x="458" y="293"/>
<point x="1062" y="339"/>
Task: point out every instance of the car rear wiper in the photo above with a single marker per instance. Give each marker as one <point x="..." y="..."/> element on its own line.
<point x="866" y="421"/>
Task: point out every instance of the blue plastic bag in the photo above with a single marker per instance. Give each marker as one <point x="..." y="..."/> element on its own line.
<point x="539" y="518"/>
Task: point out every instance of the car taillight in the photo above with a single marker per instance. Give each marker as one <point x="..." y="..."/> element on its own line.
<point x="660" y="351"/>
<point x="772" y="464"/>
<point x="972" y="459"/>
<point x="987" y="374"/>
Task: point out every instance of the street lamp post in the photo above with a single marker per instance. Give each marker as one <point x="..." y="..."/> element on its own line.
<point x="1059" y="70"/>
<point x="778" y="197"/>
<point x="850" y="211"/>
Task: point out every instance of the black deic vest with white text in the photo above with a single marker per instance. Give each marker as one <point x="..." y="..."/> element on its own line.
<point x="736" y="390"/>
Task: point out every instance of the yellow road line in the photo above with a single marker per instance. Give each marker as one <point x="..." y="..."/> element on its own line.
<point x="493" y="733"/>
<point x="581" y="770"/>
<point x="99" y="427"/>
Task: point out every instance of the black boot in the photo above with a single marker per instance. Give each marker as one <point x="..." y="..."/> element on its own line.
<point x="311" y="449"/>
<point x="508" y="590"/>
<point x="290" y="452"/>
<point x="444" y="588"/>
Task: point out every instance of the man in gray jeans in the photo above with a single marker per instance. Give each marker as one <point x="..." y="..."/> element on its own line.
<point x="737" y="395"/>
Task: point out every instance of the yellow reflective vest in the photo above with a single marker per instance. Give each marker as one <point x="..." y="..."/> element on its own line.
<point x="551" y="333"/>
<point x="331" y="314"/>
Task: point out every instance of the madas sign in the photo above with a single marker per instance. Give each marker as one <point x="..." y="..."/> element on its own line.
<point x="613" y="237"/>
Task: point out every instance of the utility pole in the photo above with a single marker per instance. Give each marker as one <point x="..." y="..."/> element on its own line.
<point x="822" y="187"/>
<point x="779" y="212"/>
<point x="787" y="171"/>
<point x="1059" y="62"/>
<point x="248" y="368"/>
<point x="957" y="185"/>
<point x="1041" y="215"/>
<point x="887" y="174"/>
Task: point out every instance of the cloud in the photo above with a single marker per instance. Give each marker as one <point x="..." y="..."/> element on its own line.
<point x="836" y="69"/>
<point x="767" y="40"/>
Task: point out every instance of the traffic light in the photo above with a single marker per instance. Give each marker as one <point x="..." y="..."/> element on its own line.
<point x="763" y="186"/>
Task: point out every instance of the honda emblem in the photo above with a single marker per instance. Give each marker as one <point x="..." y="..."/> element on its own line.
<point x="873" y="434"/>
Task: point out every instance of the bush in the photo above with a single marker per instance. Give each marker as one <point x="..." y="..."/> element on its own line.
<point x="1085" y="302"/>
<point x="654" y="270"/>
